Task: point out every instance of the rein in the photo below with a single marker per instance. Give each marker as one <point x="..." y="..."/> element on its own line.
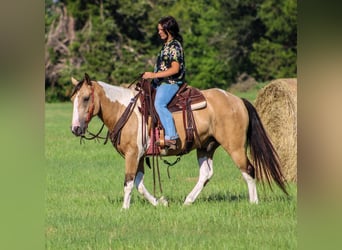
<point x="169" y="164"/>
<point x="95" y="136"/>
<point x="115" y="134"/>
<point x="92" y="106"/>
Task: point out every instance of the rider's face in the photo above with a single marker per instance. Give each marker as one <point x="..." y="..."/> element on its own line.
<point x="163" y="35"/>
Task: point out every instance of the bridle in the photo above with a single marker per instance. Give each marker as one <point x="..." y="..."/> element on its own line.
<point x="92" y="106"/>
<point x="90" y="113"/>
<point x="89" y="116"/>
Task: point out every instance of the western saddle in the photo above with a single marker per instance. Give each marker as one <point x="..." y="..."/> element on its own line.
<point x="186" y="100"/>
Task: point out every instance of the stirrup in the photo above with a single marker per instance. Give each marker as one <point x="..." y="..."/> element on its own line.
<point x="169" y="144"/>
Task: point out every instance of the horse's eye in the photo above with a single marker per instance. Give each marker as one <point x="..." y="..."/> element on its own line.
<point x="86" y="98"/>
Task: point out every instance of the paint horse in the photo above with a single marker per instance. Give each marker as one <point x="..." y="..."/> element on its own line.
<point x="227" y="121"/>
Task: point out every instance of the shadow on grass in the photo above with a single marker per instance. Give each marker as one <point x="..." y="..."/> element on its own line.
<point x="215" y="197"/>
<point x="224" y="197"/>
<point x="278" y="198"/>
<point x="268" y="197"/>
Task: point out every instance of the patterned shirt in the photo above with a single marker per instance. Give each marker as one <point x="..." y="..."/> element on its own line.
<point x="171" y="51"/>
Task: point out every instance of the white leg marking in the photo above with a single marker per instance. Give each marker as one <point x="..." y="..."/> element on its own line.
<point x="206" y="171"/>
<point x="139" y="183"/>
<point x="127" y="196"/>
<point x="253" y="196"/>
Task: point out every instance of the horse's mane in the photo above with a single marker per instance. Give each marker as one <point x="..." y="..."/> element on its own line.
<point x="77" y="87"/>
<point x="109" y="86"/>
<point x="115" y="92"/>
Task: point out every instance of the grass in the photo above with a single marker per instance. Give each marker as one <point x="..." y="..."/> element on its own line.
<point x="84" y="191"/>
<point x="248" y="91"/>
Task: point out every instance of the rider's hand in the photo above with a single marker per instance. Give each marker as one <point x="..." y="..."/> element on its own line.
<point x="148" y="75"/>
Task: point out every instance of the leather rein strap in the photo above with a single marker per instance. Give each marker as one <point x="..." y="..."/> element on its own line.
<point x="115" y="134"/>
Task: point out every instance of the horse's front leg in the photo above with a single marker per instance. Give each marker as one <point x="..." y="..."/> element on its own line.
<point x="128" y="186"/>
<point x="139" y="183"/>
<point x="137" y="179"/>
<point x="131" y="167"/>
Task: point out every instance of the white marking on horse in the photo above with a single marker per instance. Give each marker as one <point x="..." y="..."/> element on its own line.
<point x="139" y="183"/>
<point x="117" y="94"/>
<point x="228" y="94"/>
<point x="206" y="172"/>
<point x="75" y="115"/>
<point x="253" y="196"/>
<point x="124" y="96"/>
<point x="127" y="196"/>
<point x="223" y="92"/>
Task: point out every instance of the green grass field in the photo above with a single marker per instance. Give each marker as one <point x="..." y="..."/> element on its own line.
<point x="84" y="192"/>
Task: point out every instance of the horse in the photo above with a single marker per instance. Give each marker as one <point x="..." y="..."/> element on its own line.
<point x="227" y="121"/>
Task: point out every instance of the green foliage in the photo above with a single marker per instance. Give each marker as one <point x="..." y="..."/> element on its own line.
<point x="117" y="40"/>
<point x="273" y="60"/>
<point x="204" y="68"/>
<point x="50" y="15"/>
<point x="240" y="27"/>
<point x="275" y="54"/>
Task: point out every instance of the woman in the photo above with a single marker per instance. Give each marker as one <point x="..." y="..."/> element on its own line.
<point x="168" y="75"/>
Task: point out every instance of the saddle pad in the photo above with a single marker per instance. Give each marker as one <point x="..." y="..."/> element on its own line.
<point x="187" y="94"/>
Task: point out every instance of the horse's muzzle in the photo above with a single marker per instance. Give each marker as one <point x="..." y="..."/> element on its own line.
<point x="77" y="131"/>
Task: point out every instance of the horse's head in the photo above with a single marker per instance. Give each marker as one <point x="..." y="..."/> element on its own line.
<point x="83" y="99"/>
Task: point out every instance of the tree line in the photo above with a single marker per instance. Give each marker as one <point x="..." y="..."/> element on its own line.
<point x="116" y="40"/>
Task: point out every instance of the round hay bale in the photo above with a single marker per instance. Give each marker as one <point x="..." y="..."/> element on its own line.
<point x="276" y="104"/>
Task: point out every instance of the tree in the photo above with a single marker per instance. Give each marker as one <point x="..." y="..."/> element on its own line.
<point x="116" y="40"/>
<point x="240" y="27"/>
<point x="59" y="34"/>
<point x="275" y="54"/>
<point x="200" y="27"/>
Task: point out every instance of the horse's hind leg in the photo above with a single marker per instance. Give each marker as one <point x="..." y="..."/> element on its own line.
<point x="247" y="169"/>
<point x="205" y="161"/>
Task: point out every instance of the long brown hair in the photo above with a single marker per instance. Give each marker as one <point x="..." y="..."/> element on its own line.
<point x="170" y="25"/>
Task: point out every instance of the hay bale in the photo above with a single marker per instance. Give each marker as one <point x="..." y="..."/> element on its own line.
<point x="276" y="104"/>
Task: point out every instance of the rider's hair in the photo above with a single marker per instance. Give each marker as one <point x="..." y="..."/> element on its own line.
<point x="170" y="25"/>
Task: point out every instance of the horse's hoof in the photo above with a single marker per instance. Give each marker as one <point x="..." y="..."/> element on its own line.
<point x="254" y="202"/>
<point x="163" y="201"/>
<point x="188" y="202"/>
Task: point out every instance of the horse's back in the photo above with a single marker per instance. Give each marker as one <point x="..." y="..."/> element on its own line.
<point x="226" y="116"/>
<point x="224" y="104"/>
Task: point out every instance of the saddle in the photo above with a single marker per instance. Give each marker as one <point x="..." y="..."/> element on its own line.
<point x="186" y="100"/>
<point x="187" y="95"/>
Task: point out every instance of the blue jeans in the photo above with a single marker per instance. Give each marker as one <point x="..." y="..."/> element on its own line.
<point x="165" y="93"/>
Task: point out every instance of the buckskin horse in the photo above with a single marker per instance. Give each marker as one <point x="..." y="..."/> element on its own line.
<point x="226" y="120"/>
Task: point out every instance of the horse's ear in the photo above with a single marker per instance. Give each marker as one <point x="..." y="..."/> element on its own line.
<point x="87" y="78"/>
<point x="74" y="81"/>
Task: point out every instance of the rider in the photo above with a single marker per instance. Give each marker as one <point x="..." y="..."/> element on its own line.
<point x="168" y="75"/>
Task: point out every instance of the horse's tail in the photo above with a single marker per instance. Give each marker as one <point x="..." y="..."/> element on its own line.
<point x="263" y="153"/>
